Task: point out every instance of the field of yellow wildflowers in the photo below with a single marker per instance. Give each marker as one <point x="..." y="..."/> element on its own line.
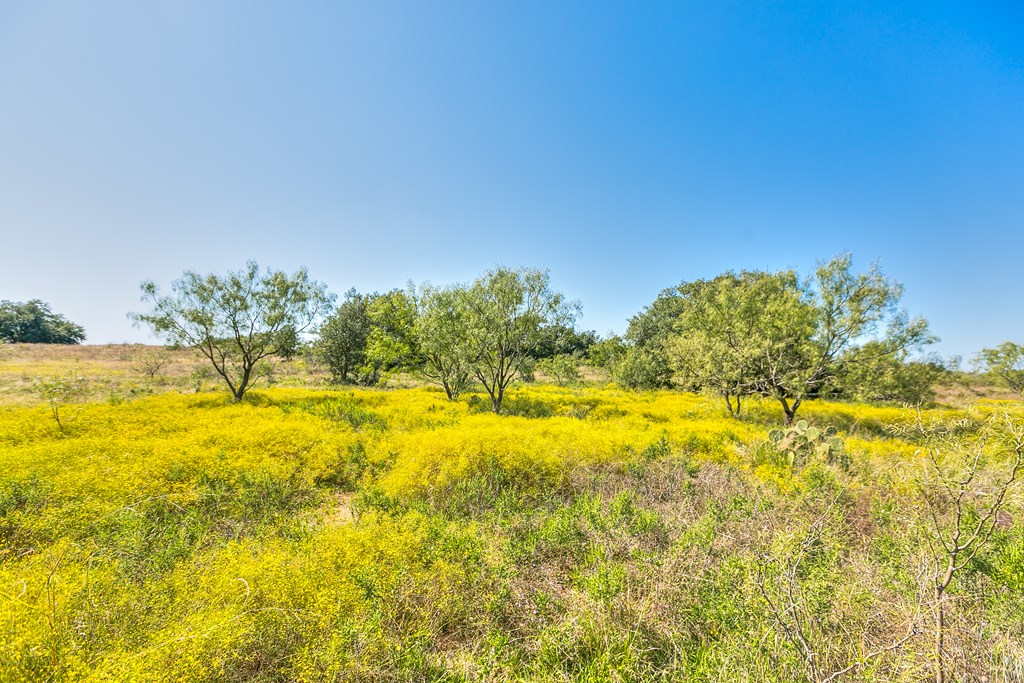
<point x="587" y="534"/>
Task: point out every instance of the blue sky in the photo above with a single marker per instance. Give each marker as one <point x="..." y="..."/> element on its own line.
<point x="626" y="146"/>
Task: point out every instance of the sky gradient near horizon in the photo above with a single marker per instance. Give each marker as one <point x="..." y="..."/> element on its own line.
<point x="624" y="146"/>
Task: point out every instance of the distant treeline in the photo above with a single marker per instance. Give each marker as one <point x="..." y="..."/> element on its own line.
<point x="835" y="333"/>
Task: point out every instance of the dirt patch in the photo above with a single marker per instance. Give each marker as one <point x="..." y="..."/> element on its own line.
<point x="336" y="510"/>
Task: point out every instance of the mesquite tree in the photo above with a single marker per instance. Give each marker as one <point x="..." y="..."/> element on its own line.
<point x="508" y="314"/>
<point x="1006" y="362"/>
<point x="237" y="320"/>
<point x="442" y="330"/>
<point x="776" y="335"/>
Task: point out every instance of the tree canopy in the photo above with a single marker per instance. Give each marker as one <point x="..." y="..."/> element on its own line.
<point x="238" y="319"/>
<point x="733" y="333"/>
<point x="1005" y="362"/>
<point x="342" y="341"/>
<point x="32" y="322"/>
<point x="442" y="330"/>
<point x="775" y="335"/>
<point x="564" y="340"/>
<point x="392" y="344"/>
<point x="510" y="313"/>
<point x="368" y="334"/>
<point x="641" y="361"/>
<point x="890" y="377"/>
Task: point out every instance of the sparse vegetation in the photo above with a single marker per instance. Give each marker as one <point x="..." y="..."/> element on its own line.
<point x="150" y="363"/>
<point x="59" y="394"/>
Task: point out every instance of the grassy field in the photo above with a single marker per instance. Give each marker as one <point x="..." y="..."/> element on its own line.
<point x="165" y="533"/>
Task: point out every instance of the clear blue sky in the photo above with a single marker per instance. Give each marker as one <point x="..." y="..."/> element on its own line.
<point x="626" y="146"/>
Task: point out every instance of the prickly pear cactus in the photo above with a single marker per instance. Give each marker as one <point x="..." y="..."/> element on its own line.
<point x="800" y="443"/>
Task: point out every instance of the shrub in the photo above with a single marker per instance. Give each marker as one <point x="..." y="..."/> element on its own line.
<point x="800" y="443"/>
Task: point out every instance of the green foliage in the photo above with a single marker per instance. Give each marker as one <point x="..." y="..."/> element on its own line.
<point x="641" y="361"/>
<point x="33" y="322"/>
<point x="368" y="335"/>
<point x="858" y="319"/>
<point x="641" y="369"/>
<point x="1006" y="362"/>
<point x="442" y="331"/>
<point x="236" y="320"/>
<point x="774" y="335"/>
<point x="341" y="345"/>
<point x="801" y="443"/>
<point x="657" y="323"/>
<point x="879" y="376"/>
<point x="519" y="406"/>
<point x="564" y="368"/>
<point x="491" y="330"/>
<point x="605" y="353"/>
<point x="199" y="377"/>
<point x="392" y="344"/>
<point x="508" y="314"/>
<point x="730" y="328"/>
<point x="356" y="415"/>
<point x="564" y="340"/>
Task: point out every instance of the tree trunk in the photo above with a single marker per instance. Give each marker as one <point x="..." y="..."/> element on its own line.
<point x="940" y="627"/>
<point x="497" y="398"/>
<point x="243" y="384"/>
<point x="789" y="410"/>
<point x="940" y="617"/>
